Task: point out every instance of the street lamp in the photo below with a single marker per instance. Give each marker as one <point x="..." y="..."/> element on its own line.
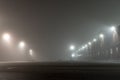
<point x="102" y="40"/>
<point x="114" y="34"/>
<point x="72" y="47"/>
<point x="6" y="37"/>
<point x="31" y="52"/>
<point x="21" y="44"/>
<point x="86" y="45"/>
<point x="73" y="55"/>
<point x="90" y="43"/>
<point x="113" y="29"/>
<point x="83" y="47"/>
<point x="101" y="36"/>
<point x="94" y="40"/>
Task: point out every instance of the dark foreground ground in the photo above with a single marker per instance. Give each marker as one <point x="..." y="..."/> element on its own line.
<point x="59" y="71"/>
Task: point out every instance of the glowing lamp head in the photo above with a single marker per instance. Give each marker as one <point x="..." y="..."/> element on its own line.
<point x="94" y="40"/>
<point x="101" y="36"/>
<point x="89" y="43"/>
<point x="113" y="28"/>
<point x="73" y="55"/>
<point x="83" y="47"/>
<point x="6" y="37"/>
<point x="72" y="47"/>
<point x="21" y="44"/>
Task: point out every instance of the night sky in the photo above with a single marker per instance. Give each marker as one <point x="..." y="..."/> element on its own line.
<point x="51" y="26"/>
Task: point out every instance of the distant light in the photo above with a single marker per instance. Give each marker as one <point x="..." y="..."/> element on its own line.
<point x="111" y="51"/>
<point x="101" y="36"/>
<point x="21" y="44"/>
<point x="117" y="49"/>
<point x="73" y="55"/>
<point x="79" y="49"/>
<point x="83" y="47"/>
<point x="86" y="46"/>
<point x="89" y="43"/>
<point x="72" y="47"/>
<point x="31" y="52"/>
<point x="6" y="37"/>
<point x="113" y="28"/>
<point x="94" y="40"/>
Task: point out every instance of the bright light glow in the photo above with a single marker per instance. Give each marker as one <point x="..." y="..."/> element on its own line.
<point x="113" y="28"/>
<point x="21" y="44"/>
<point x="83" y="47"/>
<point x="6" y="37"/>
<point x="86" y="46"/>
<point x="73" y="55"/>
<point x="94" y="40"/>
<point x="101" y="36"/>
<point x="89" y="43"/>
<point x="72" y="47"/>
<point x="31" y="52"/>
